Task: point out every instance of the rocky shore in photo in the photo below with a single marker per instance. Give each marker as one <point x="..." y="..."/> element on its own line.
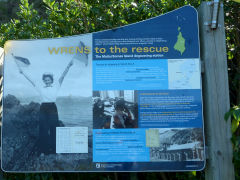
<point x="20" y="142"/>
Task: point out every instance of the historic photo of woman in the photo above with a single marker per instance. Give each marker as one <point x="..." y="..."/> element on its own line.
<point x="47" y="87"/>
<point x="48" y="118"/>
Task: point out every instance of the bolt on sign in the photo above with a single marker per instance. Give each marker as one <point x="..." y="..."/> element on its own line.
<point x="126" y="99"/>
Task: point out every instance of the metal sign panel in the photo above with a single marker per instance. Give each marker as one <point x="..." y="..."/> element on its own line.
<point x="127" y="99"/>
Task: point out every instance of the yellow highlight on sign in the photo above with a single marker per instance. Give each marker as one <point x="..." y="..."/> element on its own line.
<point x="70" y="50"/>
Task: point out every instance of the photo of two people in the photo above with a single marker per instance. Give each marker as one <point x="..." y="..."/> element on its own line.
<point x="115" y="109"/>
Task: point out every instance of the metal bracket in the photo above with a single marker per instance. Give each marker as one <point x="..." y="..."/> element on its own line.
<point x="210" y="3"/>
<point x="215" y="12"/>
<point x="207" y="23"/>
<point x="215" y="15"/>
<point x="210" y="23"/>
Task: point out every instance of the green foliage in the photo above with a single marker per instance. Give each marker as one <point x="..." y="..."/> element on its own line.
<point x="234" y="113"/>
<point x="232" y="24"/>
<point x="71" y="17"/>
<point x="5" y="12"/>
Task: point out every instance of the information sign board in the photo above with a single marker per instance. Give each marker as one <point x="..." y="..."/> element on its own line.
<point x="127" y="99"/>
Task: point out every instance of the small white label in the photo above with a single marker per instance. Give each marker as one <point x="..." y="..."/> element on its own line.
<point x="152" y="138"/>
<point x="72" y="140"/>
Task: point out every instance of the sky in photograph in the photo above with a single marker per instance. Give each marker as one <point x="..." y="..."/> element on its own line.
<point x="78" y="81"/>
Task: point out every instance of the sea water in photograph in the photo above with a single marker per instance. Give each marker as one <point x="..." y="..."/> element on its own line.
<point x="75" y="111"/>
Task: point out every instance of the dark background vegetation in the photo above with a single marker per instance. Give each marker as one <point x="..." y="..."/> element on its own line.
<point x="20" y="19"/>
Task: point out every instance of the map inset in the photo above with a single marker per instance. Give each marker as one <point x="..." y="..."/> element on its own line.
<point x="180" y="44"/>
<point x="183" y="74"/>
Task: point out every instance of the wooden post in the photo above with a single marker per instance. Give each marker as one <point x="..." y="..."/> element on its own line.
<point x="215" y="95"/>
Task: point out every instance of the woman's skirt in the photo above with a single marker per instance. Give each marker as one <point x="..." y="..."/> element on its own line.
<point x="48" y="121"/>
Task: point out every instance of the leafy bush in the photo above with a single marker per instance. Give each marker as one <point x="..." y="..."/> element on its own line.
<point x="234" y="113"/>
<point x="232" y="24"/>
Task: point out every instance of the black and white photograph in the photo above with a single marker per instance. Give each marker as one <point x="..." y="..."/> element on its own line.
<point x="47" y="96"/>
<point x="115" y="109"/>
<point x="184" y="144"/>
